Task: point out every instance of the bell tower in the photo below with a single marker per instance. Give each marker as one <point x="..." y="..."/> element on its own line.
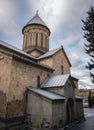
<point x="36" y="36"/>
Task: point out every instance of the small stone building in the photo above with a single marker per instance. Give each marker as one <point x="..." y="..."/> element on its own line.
<point x="37" y="82"/>
<point x="54" y="101"/>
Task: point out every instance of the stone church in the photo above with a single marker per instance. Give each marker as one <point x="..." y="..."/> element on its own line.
<point x="36" y="82"/>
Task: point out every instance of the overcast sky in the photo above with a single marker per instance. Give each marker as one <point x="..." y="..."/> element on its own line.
<point x="63" y="17"/>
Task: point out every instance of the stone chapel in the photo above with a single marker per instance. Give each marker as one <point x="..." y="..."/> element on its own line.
<point x="37" y="82"/>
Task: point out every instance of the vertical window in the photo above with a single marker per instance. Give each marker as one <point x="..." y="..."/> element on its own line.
<point x="38" y="82"/>
<point x="46" y="42"/>
<point x="31" y="39"/>
<point x="41" y="40"/>
<point x="62" y="69"/>
<point x="25" y="40"/>
<point x="36" y="39"/>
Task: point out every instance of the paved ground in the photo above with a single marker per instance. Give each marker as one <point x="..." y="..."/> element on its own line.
<point x="89" y="123"/>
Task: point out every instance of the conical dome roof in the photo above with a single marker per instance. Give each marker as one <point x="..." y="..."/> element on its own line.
<point x="36" y="20"/>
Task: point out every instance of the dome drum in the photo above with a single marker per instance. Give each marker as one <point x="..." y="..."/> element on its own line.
<point x="36" y="35"/>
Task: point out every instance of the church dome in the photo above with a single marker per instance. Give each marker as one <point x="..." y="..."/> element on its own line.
<point x="36" y="20"/>
<point x="36" y="36"/>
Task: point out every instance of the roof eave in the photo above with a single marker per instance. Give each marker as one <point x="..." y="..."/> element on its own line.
<point x="55" y="53"/>
<point x="22" y="57"/>
<point x="46" y="96"/>
<point x="52" y="87"/>
<point x="66" y="56"/>
<point x="35" y="24"/>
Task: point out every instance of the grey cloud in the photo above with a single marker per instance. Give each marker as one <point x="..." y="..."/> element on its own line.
<point x="62" y="16"/>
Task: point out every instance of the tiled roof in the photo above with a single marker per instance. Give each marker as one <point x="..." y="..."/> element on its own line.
<point x="49" y="53"/>
<point x="55" y="81"/>
<point x="49" y="95"/>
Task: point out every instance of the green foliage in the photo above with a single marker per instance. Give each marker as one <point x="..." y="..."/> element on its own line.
<point x="88" y="28"/>
<point x="90" y="100"/>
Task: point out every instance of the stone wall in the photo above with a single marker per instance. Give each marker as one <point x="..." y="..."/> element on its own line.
<point x="35" y="53"/>
<point x="3" y="104"/>
<point x="69" y="90"/>
<point x="16" y="108"/>
<point x="69" y="93"/>
<point x="79" y="109"/>
<point x="58" y="62"/>
<point x="76" y="85"/>
<point x="15" y="77"/>
<point x="22" y="76"/>
<point x="39" y="108"/>
<point x="47" y="61"/>
<point x="36" y="36"/>
<point x="57" y="90"/>
<point x="5" y="76"/>
<point x="5" y="72"/>
<point x="59" y="113"/>
<point x="43" y="110"/>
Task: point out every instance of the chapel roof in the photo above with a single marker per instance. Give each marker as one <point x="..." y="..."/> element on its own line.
<point x="53" y="52"/>
<point x="49" y="53"/>
<point x="19" y="54"/>
<point x="55" y="81"/>
<point x="44" y="93"/>
<point x="36" y="20"/>
<point x="2" y="43"/>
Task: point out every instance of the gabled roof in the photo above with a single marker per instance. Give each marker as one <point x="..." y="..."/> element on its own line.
<point x="12" y="48"/>
<point x="33" y="49"/>
<point x="49" y="53"/>
<point x="53" y="52"/>
<point x="19" y="54"/>
<point x="44" y="93"/>
<point x="55" y="81"/>
<point x="36" y="20"/>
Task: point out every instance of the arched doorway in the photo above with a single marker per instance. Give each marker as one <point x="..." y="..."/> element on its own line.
<point x="70" y="110"/>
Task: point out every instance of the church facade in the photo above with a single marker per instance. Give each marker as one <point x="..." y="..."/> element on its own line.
<point x="37" y="82"/>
